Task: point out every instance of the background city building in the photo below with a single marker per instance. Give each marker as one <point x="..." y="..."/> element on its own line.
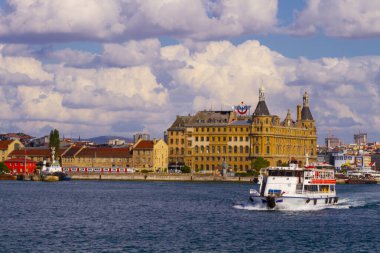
<point x="360" y="138"/>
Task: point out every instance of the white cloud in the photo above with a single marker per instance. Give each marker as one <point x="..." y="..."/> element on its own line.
<point x="71" y="57"/>
<point x="110" y="20"/>
<point x="339" y="18"/>
<point x="153" y="84"/>
<point x="131" y="53"/>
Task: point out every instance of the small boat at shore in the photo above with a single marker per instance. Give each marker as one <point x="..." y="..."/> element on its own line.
<point x="8" y="177"/>
<point x="289" y="187"/>
<point x="50" y="178"/>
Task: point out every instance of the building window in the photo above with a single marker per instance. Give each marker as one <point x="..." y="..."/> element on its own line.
<point x="246" y="149"/>
<point x="235" y="149"/>
<point x="196" y="149"/>
<point x="268" y="150"/>
<point x="256" y="149"/>
<point x="241" y="149"/>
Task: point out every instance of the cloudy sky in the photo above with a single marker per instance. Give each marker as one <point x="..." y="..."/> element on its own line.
<point x="117" y="67"/>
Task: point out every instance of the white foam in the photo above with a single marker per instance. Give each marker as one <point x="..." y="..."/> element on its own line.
<point x="342" y="204"/>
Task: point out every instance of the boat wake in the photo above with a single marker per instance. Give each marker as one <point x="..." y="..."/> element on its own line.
<point x="344" y="203"/>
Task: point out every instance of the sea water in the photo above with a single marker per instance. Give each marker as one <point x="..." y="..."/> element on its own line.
<point x="106" y="216"/>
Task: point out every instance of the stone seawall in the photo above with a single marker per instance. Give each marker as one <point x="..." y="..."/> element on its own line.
<point x="157" y="177"/>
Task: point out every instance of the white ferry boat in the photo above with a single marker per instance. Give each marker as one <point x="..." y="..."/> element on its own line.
<point x="287" y="187"/>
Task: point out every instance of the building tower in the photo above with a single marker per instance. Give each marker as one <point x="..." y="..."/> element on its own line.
<point x="309" y="123"/>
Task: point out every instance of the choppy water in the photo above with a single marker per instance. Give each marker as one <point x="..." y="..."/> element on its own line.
<point x="100" y="216"/>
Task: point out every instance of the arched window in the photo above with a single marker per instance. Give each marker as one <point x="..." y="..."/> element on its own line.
<point x="241" y="149"/>
<point x="229" y="149"/>
<point x="246" y="149"/>
<point x="207" y="149"/>
<point x="235" y="149"/>
<point x="257" y="149"/>
<point x="196" y="149"/>
<point x="202" y="149"/>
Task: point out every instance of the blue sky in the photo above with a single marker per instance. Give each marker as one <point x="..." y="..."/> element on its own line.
<point x="110" y="67"/>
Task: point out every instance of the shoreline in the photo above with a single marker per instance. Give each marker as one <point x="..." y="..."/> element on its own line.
<point x="159" y="177"/>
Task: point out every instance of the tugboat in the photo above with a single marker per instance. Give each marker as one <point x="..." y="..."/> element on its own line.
<point x="53" y="172"/>
<point x="293" y="186"/>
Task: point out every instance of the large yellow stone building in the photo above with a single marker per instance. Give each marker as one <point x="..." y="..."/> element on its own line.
<point x="204" y="140"/>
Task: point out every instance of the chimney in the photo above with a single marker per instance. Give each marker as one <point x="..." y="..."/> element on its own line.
<point x="298" y="112"/>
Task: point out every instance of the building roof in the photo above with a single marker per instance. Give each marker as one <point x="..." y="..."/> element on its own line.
<point x="105" y="152"/>
<point x="240" y="123"/>
<point x="4" y="144"/>
<point x="42" y="152"/>
<point x="143" y="144"/>
<point x="306" y="113"/>
<point x="19" y="160"/>
<point x="72" y="151"/>
<point x="261" y="109"/>
<point x="180" y="122"/>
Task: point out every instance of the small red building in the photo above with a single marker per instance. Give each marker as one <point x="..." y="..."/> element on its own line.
<point x="21" y="165"/>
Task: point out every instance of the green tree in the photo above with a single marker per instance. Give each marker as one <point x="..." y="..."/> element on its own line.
<point x="259" y="163"/>
<point x="54" y="141"/>
<point x="3" y="168"/>
<point x="185" y="169"/>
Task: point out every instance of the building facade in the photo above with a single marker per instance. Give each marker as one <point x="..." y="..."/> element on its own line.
<point x="21" y="165"/>
<point x="150" y="155"/>
<point x="204" y="140"/>
<point x="360" y="139"/>
<point x="7" y="147"/>
<point x="97" y="157"/>
<point x="332" y="142"/>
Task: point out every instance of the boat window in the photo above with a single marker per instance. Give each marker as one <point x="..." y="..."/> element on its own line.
<point x="289" y="173"/>
<point x="332" y="188"/>
<point x="311" y="188"/>
<point x="273" y="173"/>
<point x="324" y="188"/>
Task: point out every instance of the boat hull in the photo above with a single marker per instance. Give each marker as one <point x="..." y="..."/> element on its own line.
<point x="7" y="177"/>
<point x="285" y="202"/>
<point x="50" y="178"/>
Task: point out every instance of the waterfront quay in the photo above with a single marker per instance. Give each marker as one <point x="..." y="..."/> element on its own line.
<point x="159" y="177"/>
